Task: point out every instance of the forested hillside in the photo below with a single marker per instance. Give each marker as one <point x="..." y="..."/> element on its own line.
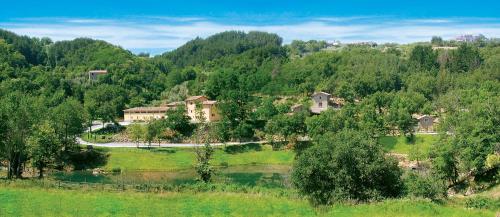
<point x="44" y="87"/>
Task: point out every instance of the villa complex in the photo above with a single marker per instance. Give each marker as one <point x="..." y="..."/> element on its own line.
<point x="207" y="107"/>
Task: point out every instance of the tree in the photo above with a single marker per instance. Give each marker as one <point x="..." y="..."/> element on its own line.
<point x="437" y="41"/>
<point x="68" y="121"/>
<point x="424" y="57"/>
<point x="153" y="131"/>
<point x="105" y="102"/>
<point x="470" y="134"/>
<point x="267" y="109"/>
<point x="203" y="157"/>
<point x="178" y="121"/>
<point x="425" y="186"/>
<point x="44" y="147"/>
<point x="464" y="59"/>
<point x="20" y="112"/>
<point x="346" y="166"/>
<point x="286" y="127"/>
<point x="205" y="152"/>
<point x="136" y="133"/>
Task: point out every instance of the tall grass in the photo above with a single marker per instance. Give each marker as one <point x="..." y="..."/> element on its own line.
<point x="55" y="202"/>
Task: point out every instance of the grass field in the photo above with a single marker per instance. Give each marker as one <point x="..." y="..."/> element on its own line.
<point x="400" y="145"/>
<point x="169" y="159"/>
<point x="55" y="202"/>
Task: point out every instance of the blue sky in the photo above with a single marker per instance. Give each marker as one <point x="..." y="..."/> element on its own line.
<point x="156" y="26"/>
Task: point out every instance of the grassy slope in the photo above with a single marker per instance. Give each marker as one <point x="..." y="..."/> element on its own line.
<point x="401" y="146"/>
<point x="184" y="158"/>
<point x="41" y="202"/>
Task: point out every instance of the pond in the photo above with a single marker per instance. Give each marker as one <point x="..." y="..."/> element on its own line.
<point x="271" y="176"/>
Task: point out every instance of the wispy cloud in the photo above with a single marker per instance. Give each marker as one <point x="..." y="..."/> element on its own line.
<point x="158" y="34"/>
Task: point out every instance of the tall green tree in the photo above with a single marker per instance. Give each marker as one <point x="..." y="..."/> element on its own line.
<point x="424" y="57"/>
<point x="44" y="147"/>
<point x="21" y="112"/>
<point x="346" y="166"/>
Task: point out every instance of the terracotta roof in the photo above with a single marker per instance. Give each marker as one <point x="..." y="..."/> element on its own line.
<point x="98" y="71"/>
<point x="146" y="109"/>
<point x="209" y="102"/>
<point x="191" y="98"/>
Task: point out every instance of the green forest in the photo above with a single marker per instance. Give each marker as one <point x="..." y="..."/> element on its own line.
<point x="47" y="100"/>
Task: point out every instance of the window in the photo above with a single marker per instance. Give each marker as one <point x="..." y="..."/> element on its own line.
<point x="213" y="114"/>
<point x="320" y="104"/>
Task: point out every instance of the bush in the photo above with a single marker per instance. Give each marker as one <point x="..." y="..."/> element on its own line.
<point x="425" y="186"/>
<point x="482" y="203"/>
<point x="116" y="170"/>
<point x="346" y="166"/>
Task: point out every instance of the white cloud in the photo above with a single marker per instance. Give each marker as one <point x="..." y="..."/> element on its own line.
<point x="167" y="33"/>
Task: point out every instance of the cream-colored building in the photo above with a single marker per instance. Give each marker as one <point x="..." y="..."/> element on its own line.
<point x="320" y="102"/>
<point x="208" y="109"/>
<point x="144" y="113"/>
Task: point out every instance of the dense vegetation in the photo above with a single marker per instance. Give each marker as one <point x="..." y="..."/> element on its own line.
<point x="47" y="99"/>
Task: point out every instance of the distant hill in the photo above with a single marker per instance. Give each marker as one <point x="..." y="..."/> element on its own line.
<point x="30" y="48"/>
<point x="199" y="50"/>
<point x="87" y="52"/>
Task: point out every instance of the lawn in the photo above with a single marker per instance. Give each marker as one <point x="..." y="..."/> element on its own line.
<point x="169" y="159"/>
<point x="56" y="202"/>
<point x="400" y="145"/>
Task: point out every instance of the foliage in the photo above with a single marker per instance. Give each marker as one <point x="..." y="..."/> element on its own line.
<point x="136" y="132"/>
<point x="286" y="127"/>
<point x="425" y="186"/>
<point x="346" y="166"/>
<point x="178" y="121"/>
<point x="44" y="147"/>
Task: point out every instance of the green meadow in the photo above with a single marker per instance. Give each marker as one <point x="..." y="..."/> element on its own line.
<point x="400" y="145"/>
<point x="171" y="159"/>
<point x="56" y="202"/>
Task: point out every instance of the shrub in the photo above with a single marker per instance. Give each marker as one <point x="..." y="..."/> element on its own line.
<point x="425" y="186"/>
<point x="224" y="164"/>
<point x="346" y="166"/>
<point x="116" y="170"/>
<point x="482" y="203"/>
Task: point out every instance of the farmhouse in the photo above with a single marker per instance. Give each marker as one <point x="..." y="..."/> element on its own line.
<point x="320" y="102"/>
<point x="323" y="101"/>
<point x="94" y="73"/>
<point x="208" y="109"/>
<point x="426" y="123"/>
<point x="144" y="113"/>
